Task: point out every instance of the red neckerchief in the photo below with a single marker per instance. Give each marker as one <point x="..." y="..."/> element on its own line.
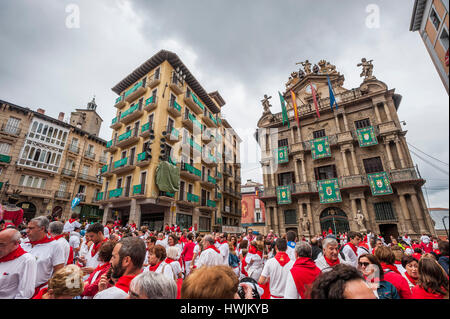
<point x="58" y="237"/>
<point x="124" y="282"/>
<point x="13" y="255"/>
<point x="169" y="260"/>
<point x="44" y="240"/>
<point x="213" y="248"/>
<point x="282" y="258"/>
<point x="72" y="220"/>
<point x="97" y="247"/>
<point x="244" y="264"/>
<point x="397" y="262"/>
<point x="253" y="250"/>
<point x="223" y="242"/>
<point x="101" y="267"/>
<point x="411" y="279"/>
<point x="110" y="229"/>
<point x="332" y="263"/>
<point x="390" y="267"/>
<point x="154" y="267"/>
<point x="353" y="247"/>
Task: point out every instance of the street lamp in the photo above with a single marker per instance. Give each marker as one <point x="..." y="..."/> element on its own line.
<point x="444" y="224"/>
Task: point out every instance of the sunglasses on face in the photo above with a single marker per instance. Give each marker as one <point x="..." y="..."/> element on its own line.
<point x="363" y="264"/>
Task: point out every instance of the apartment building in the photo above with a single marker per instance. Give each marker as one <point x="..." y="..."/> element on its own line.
<point x="164" y="114"/>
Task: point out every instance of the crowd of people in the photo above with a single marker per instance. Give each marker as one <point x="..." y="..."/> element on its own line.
<point x="47" y="259"/>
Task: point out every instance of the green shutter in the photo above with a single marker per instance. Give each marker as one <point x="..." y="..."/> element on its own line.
<point x="329" y="191"/>
<point x="379" y="183"/>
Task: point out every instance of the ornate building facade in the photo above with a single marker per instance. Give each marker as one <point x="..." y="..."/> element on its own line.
<point x="344" y="168"/>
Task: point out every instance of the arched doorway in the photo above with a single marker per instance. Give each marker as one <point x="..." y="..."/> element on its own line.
<point x="334" y="218"/>
<point x="29" y="210"/>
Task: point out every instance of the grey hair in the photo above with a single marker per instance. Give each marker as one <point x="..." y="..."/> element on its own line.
<point x="329" y="241"/>
<point x="134" y="247"/>
<point x="209" y="239"/>
<point x="15" y="238"/>
<point x="41" y="221"/>
<point x="154" y="286"/>
<point x="56" y="228"/>
<point x="303" y="249"/>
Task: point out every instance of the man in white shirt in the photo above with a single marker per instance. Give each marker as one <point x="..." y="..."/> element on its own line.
<point x="49" y="255"/>
<point x="70" y="225"/>
<point x="224" y="248"/>
<point x="250" y="237"/>
<point x="291" y="237"/>
<point x="210" y="256"/>
<point x="108" y="230"/>
<point x="17" y="267"/>
<point x="75" y="241"/>
<point x="350" y="250"/>
<point x="330" y="255"/>
<point x="55" y="230"/>
<point x="276" y="270"/>
<point x="90" y="260"/>
<point x="126" y="263"/>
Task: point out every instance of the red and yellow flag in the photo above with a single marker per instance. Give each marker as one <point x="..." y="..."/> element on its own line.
<point x="294" y="104"/>
<point x="315" y="100"/>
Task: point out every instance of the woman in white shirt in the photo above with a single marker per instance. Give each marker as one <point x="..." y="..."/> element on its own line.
<point x="254" y="260"/>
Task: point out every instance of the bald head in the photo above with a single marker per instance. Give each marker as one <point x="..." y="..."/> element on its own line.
<point x="9" y="241"/>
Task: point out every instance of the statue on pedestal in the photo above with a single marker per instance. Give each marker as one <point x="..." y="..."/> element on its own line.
<point x="266" y="104"/>
<point x="359" y="218"/>
<point x="367" y="69"/>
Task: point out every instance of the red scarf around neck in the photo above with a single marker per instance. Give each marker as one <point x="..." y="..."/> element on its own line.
<point x="58" y="236"/>
<point x="253" y="250"/>
<point x="13" y="255"/>
<point x="389" y="267"/>
<point x="411" y="279"/>
<point x="332" y="263"/>
<point x="282" y="258"/>
<point x="213" y="248"/>
<point x="72" y="220"/>
<point x="154" y="267"/>
<point x="224" y="242"/>
<point x="110" y="229"/>
<point x="97" y="247"/>
<point x="397" y="262"/>
<point x="353" y="247"/>
<point x="44" y="240"/>
<point x="124" y="282"/>
<point x="169" y="260"/>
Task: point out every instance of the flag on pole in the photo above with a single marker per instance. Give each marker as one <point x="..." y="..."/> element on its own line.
<point x="332" y="98"/>
<point x="294" y="104"/>
<point x="284" y="111"/>
<point x="315" y="100"/>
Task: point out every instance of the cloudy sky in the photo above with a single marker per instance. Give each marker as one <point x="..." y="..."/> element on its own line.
<point x="244" y="49"/>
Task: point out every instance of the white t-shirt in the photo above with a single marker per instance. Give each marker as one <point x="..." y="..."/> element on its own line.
<point x="209" y="257"/>
<point x="111" y="293"/>
<point x="291" y="252"/>
<point x="65" y="246"/>
<point x="74" y="240"/>
<point x="224" y="252"/>
<point x="278" y="276"/>
<point x="290" y="290"/>
<point x="18" y="277"/>
<point x="47" y="256"/>
<point x="168" y="270"/>
<point x="162" y="243"/>
<point x="255" y="268"/>
<point x="350" y="257"/>
<point x="92" y="261"/>
<point x="70" y="227"/>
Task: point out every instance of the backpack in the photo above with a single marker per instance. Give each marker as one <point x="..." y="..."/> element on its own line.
<point x="233" y="260"/>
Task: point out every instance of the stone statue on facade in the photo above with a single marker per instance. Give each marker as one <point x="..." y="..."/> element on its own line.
<point x="305" y="225"/>
<point x="306" y="66"/>
<point x="367" y="69"/>
<point x="315" y="69"/>
<point x="266" y="104"/>
<point x="326" y="67"/>
<point x="359" y="218"/>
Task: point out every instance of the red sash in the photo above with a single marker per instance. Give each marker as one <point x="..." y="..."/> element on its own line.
<point x="353" y="247"/>
<point x="213" y="248"/>
<point x="72" y="220"/>
<point x="44" y="240"/>
<point x="70" y="259"/>
<point x="124" y="282"/>
<point x="169" y="260"/>
<point x="97" y="247"/>
<point x="411" y="279"/>
<point x="13" y="255"/>
<point x="389" y="267"/>
<point x="243" y="268"/>
<point x="253" y="250"/>
<point x="282" y="258"/>
<point x="58" y="237"/>
<point x="332" y="263"/>
<point x="304" y="272"/>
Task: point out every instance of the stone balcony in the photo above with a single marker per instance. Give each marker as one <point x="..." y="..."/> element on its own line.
<point x="405" y="175"/>
<point x="353" y="181"/>
<point x="387" y="128"/>
<point x="345" y="137"/>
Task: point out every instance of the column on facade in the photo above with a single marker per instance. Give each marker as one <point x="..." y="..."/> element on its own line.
<point x="389" y="154"/>
<point x="344" y="160"/>
<point x="406" y="214"/>
<point x="419" y="214"/>
<point x="353" y="225"/>
<point x="135" y="212"/>
<point x="386" y="110"/>
<point x="337" y="123"/>
<point x="315" y="224"/>
<point x="297" y="176"/>
<point x="304" y="178"/>
<point x="106" y="214"/>
<point x="355" y="164"/>
<point x="345" y="122"/>
<point x="377" y="113"/>
<point x="265" y="175"/>
<point x="276" y="227"/>
<point x="281" y="224"/>
<point x="269" y="219"/>
<point x="400" y="152"/>
<point x="292" y="135"/>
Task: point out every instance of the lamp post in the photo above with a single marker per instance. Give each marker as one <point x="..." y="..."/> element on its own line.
<point x="444" y="224"/>
<point x="332" y="213"/>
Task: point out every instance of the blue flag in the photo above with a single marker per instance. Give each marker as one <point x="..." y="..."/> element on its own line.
<point x="332" y="98"/>
<point x="75" y="202"/>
